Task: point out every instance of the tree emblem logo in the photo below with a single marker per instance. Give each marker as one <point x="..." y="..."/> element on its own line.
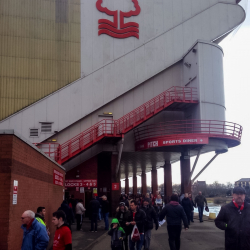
<point x="113" y="29"/>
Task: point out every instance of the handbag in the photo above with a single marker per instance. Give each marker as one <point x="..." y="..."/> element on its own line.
<point x="135" y="236"/>
<point x="207" y="209"/>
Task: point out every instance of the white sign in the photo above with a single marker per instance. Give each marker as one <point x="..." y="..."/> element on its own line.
<point x="15" y="192"/>
<point x="81" y="190"/>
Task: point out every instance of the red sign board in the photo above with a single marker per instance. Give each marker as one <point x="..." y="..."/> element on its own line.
<point x="118" y="28"/>
<point x="171" y="142"/>
<point x="58" y="178"/>
<point x="80" y="183"/>
<point x="115" y="186"/>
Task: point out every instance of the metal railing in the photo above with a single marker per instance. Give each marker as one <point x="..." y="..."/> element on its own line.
<point x="115" y="128"/>
<point x="212" y="128"/>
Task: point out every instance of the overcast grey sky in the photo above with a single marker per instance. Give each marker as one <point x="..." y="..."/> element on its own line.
<point x="234" y="164"/>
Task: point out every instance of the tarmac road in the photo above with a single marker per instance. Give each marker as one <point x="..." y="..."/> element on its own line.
<point x="203" y="236"/>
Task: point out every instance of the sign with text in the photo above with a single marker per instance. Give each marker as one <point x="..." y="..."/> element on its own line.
<point x="80" y="183"/>
<point x="58" y="178"/>
<point x="15" y="192"/>
<point x="115" y="186"/>
<point x="172" y="142"/>
<point x="82" y="190"/>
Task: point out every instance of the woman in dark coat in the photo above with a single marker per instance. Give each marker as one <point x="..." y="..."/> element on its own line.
<point x="192" y="201"/>
<point x="187" y="206"/>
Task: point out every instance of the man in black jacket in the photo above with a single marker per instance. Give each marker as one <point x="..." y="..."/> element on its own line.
<point x="234" y="218"/>
<point x="175" y="215"/>
<point x="93" y="213"/>
<point x="200" y="201"/>
<point x="122" y="214"/>
<point x="136" y="217"/>
<point x="150" y="217"/>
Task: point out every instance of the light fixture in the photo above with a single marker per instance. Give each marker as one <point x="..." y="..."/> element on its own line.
<point x="54" y="140"/>
<point x="108" y="113"/>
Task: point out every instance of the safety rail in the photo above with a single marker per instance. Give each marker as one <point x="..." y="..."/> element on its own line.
<point x="212" y="128"/>
<point x="115" y="128"/>
<point x="148" y="109"/>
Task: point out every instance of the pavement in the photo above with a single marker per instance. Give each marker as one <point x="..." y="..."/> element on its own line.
<point x="83" y="240"/>
<point x="203" y="236"/>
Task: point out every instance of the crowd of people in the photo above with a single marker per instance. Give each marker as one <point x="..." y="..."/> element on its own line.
<point x="134" y="221"/>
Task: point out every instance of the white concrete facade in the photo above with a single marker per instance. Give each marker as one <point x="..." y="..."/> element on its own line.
<point x="118" y="75"/>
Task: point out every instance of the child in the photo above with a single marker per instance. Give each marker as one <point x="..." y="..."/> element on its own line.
<point x="117" y="235"/>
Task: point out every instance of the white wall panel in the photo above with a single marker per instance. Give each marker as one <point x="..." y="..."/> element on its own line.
<point x="140" y="72"/>
<point x="168" y="14"/>
<point x="148" y="19"/>
<point x="186" y="9"/>
<point x="158" y="17"/>
<point x="64" y="108"/>
<point x="109" y="82"/>
<point x="177" y="10"/>
<point x="75" y="101"/>
<point x="87" y="100"/>
<point x="98" y="88"/>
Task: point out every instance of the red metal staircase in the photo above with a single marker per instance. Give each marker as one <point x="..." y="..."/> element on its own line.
<point x="175" y="98"/>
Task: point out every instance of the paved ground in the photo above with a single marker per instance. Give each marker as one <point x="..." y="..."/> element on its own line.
<point x="203" y="236"/>
<point x="84" y="239"/>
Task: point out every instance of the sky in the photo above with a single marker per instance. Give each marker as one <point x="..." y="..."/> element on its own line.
<point x="235" y="164"/>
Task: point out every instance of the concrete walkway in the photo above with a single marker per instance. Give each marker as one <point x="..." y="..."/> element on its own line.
<point x="203" y="236"/>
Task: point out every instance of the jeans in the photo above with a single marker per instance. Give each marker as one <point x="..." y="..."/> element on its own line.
<point x="200" y="209"/>
<point x="106" y="220"/>
<point x="147" y="237"/>
<point x="188" y="216"/>
<point x="137" y="243"/>
<point x="78" y="221"/>
<point x="174" y="234"/>
<point x="94" y="221"/>
<point x="100" y="214"/>
<point x="192" y="216"/>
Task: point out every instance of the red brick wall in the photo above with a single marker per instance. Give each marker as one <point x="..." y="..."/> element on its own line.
<point x="87" y="170"/>
<point x="34" y="173"/>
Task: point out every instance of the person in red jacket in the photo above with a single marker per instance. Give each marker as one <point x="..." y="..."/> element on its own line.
<point x="63" y="236"/>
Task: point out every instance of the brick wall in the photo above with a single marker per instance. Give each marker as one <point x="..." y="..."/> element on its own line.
<point x="34" y="173"/>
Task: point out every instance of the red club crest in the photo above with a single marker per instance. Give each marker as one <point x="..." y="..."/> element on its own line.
<point x="111" y="28"/>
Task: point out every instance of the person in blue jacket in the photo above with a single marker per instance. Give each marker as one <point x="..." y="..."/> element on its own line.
<point x="35" y="236"/>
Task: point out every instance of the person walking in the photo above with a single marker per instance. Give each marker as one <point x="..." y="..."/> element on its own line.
<point x="175" y="215"/>
<point x="200" y="200"/>
<point x="94" y="206"/>
<point x="40" y="214"/>
<point x="79" y="213"/>
<point x="68" y="212"/>
<point x="105" y="211"/>
<point x="193" y="205"/>
<point x="117" y="235"/>
<point x="63" y="235"/>
<point x="151" y="217"/>
<point x="34" y="233"/>
<point x="158" y="203"/>
<point x="136" y="217"/>
<point x="234" y="218"/>
<point x="122" y="214"/>
<point x="187" y="206"/>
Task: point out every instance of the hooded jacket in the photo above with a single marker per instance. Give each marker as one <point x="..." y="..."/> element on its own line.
<point x="122" y="217"/>
<point x="175" y="214"/>
<point x="36" y="237"/>
<point x="116" y="234"/>
<point x="236" y="225"/>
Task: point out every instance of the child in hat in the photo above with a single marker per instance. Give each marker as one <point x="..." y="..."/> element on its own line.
<point x="117" y="235"/>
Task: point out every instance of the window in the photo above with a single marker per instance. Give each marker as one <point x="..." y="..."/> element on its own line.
<point x="33" y="132"/>
<point x="46" y="127"/>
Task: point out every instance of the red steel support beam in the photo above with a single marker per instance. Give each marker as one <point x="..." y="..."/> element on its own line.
<point x="167" y="182"/>
<point x="185" y="173"/>
<point x="154" y="181"/>
<point x="126" y="186"/>
<point x="134" y="184"/>
<point x="143" y="183"/>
